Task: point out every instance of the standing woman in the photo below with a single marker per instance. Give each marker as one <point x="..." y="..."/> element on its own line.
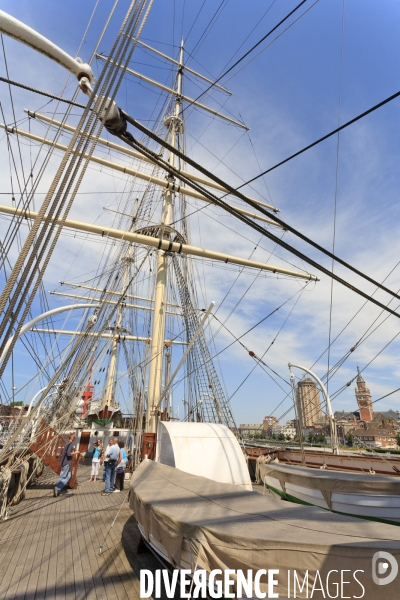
<point x="97" y="455"/>
<point x="121" y="468"/>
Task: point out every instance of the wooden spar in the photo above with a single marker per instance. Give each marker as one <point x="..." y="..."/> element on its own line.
<point x="134" y="173"/>
<point x="113" y="302"/>
<point x="138" y="238"/>
<point x="173" y="92"/>
<point x="123" y="336"/>
<point x="105" y="291"/>
<point x="184" y="67"/>
<point x="139" y="156"/>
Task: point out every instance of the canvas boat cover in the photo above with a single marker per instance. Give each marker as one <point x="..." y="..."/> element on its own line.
<point x="332" y="481"/>
<point x="207" y="449"/>
<point x="232" y="528"/>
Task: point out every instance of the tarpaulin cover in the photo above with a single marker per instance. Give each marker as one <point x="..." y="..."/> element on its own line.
<point x="232" y="528"/>
<point x="332" y="481"/>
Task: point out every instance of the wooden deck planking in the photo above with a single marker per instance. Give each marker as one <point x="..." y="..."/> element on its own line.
<point x="49" y="547"/>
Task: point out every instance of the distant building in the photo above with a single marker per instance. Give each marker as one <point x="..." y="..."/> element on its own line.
<point x="269" y="423"/>
<point x="346" y="422"/>
<point x="375" y="438"/>
<point x="308" y="402"/>
<point x="381" y="421"/>
<point x="247" y="429"/>
<point x="364" y="399"/>
<point x="289" y="431"/>
<point x="13" y="411"/>
<point x="389" y="414"/>
<point x="275" y="430"/>
<point x="286" y="430"/>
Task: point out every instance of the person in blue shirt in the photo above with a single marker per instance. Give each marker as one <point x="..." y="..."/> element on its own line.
<point x="121" y="468"/>
<point x="97" y="455"/>
<point x="110" y="462"/>
<point x="65" y="461"/>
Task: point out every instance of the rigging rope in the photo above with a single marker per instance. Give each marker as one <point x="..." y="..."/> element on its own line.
<point x="335" y="196"/>
<point x="235" y="191"/>
<point x="228" y="208"/>
<point x="249" y="51"/>
<point x="34" y="252"/>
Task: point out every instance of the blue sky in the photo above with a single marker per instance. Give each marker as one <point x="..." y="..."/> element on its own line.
<point x="336" y="61"/>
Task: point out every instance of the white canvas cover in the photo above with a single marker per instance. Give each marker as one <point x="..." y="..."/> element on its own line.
<point x="207" y="449"/>
<point x="331" y="481"/>
<point x="231" y="528"/>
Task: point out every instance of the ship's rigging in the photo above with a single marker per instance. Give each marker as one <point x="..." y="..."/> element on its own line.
<point x="121" y="282"/>
<point x="204" y="391"/>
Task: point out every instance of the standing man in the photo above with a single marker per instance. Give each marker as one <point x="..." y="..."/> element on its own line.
<point x="105" y="460"/>
<point x="110" y="460"/>
<point x="65" y="462"/>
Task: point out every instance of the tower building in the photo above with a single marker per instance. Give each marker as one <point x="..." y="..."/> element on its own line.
<point x="308" y="402"/>
<point x="364" y="399"/>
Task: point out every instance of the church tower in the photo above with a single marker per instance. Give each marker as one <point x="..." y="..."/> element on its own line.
<point x="364" y="400"/>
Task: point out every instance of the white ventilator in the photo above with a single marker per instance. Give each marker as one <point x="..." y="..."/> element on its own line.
<point x="109" y="112"/>
<point x="22" y="33"/>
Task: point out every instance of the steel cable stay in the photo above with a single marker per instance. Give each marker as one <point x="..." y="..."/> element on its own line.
<point x="207" y="212"/>
<point x="249" y="34"/>
<point x="40" y="372"/>
<point x="279" y="35"/>
<point x="30" y="195"/>
<point x="33" y="351"/>
<point x="361" y="340"/>
<point x="367" y="365"/>
<point x="252" y="48"/>
<point x="219" y="202"/>
<point x="10" y="442"/>
<point x="259" y="361"/>
<point x="236" y="192"/>
<point x="345" y="386"/>
<point x="343" y="450"/>
<point x="48" y="228"/>
<point x="208" y="385"/>
<point x="335" y="197"/>
<point x="368" y="298"/>
<point x="238" y="339"/>
<point x="257" y="227"/>
<point x="79" y="355"/>
<point x="210" y="24"/>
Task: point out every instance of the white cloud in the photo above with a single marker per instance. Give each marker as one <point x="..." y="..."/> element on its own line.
<point x="367" y="229"/>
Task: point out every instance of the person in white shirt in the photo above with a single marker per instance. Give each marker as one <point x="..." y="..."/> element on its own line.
<point x="104" y="460"/>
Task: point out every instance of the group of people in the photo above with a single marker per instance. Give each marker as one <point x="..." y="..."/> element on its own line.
<point x="115" y="461"/>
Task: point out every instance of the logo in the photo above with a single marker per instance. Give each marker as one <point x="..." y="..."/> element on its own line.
<point x="381" y="561"/>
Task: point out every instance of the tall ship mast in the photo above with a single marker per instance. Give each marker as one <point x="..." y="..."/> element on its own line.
<point x="128" y="349"/>
<point x="148" y="320"/>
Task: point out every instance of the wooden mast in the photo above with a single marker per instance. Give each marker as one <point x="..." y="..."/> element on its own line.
<point x="157" y="343"/>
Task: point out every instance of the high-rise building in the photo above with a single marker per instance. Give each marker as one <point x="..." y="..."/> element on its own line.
<point x="364" y="399"/>
<point x="308" y="402"/>
<point x="269" y="422"/>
